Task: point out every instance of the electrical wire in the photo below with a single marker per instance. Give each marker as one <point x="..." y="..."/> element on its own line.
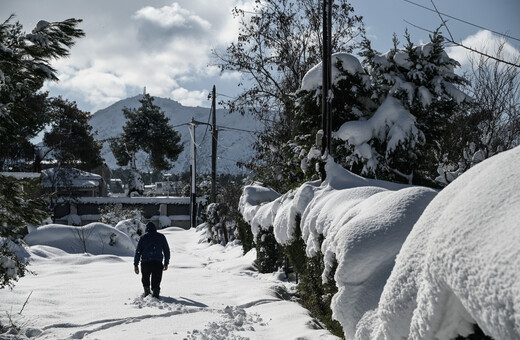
<point x="225" y="95"/>
<point x="466" y="47"/>
<point x="463" y="21"/>
<point x="223" y="128"/>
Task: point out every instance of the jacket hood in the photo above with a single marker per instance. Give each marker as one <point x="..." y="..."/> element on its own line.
<point x="151" y="228"/>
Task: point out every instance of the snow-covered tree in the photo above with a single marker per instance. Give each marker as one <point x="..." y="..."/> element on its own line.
<point x="406" y="137"/>
<point x="277" y="44"/>
<point x="21" y="204"/>
<point x="351" y="92"/>
<point x="25" y="64"/>
<point x="147" y="130"/>
<point x="70" y="139"/>
<point x="491" y="124"/>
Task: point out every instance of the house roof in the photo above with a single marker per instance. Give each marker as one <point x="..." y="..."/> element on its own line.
<point x="70" y="177"/>
<point x="21" y="175"/>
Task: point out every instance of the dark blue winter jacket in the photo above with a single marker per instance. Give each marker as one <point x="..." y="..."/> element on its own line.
<point x="151" y="247"/>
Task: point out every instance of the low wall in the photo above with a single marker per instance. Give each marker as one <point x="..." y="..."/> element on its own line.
<point x="85" y="210"/>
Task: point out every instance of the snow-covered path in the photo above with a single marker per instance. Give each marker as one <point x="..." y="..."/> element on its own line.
<point x="209" y="292"/>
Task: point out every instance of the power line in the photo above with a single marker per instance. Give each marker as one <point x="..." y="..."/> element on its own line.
<point x="180" y="125"/>
<point x="234" y="129"/>
<point x="466" y="47"/>
<point x="225" y="95"/>
<point x="207" y="126"/>
<point x="442" y="19"/>
<point x="463" y="21"/>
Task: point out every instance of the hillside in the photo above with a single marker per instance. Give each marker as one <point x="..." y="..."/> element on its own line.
<point x="234" y="145"/>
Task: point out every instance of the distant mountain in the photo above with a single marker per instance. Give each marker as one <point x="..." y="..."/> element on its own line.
<point x="234" y="140"/>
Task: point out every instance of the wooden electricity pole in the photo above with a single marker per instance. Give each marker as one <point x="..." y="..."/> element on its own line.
<point x="193" y="171"/>
<point x="326" y="87"/>
<point x="214" y="141"/>
<point x="193" y="160"/>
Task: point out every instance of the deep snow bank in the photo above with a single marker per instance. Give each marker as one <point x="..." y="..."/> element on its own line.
<point x="94" y="238"/>
<point x="460" y="264"/>
<point x="364" y="223"/>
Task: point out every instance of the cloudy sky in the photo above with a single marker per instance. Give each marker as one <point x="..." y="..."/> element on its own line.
<point x="166" y="45"/>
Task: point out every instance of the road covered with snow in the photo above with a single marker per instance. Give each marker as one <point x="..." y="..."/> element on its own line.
<point x="208" y="292"/>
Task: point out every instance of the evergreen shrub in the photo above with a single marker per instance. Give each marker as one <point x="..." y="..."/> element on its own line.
<point x="269" y="253"/>
<point x="244" y="234"/>
<point x="313" y="294"/>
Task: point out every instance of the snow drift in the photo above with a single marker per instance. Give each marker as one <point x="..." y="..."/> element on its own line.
<point x="94" y="238"/>
<point x="460" y="264"/>
<point x="364" y="223"/>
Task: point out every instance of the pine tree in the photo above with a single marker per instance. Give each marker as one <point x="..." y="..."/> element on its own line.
<point x="25" y="64"/>
<point x="147" y="130"/>
<point x="21" y="204"/>
<point x="418" y="95"/>
<point x="351" y="100"/>
<point x="70" y="139"/>
<point x="24" y="67"/>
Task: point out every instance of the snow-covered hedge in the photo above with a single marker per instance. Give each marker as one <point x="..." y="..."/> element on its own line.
<point x="363" y="223"/>
<point x="459" y="250"/>
<point x="461" y="263"/>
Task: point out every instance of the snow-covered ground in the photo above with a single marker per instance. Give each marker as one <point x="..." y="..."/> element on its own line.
<point x="208" y="292"/>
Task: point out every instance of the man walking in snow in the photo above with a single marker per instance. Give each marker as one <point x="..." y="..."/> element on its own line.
<point x="150" y="249"/>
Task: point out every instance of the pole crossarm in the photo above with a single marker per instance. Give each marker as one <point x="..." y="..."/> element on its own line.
<point x="196" y="122"/>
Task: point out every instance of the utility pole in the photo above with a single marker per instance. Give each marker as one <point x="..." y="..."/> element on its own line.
<point x="326" y="121"/>
<point x="214" y="141"/>
<point x="193" y="171"/>
<point x="193" y="162"/>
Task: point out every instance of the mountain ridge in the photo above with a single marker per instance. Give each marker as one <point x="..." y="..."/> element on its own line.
<point x="235" y="134"/>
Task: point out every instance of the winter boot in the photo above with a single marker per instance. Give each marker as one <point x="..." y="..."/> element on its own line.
<point x="146" y="291"/>
<point x="156" y="293"/>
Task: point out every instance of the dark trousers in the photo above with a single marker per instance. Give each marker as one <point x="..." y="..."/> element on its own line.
<point x="154" y="269"/>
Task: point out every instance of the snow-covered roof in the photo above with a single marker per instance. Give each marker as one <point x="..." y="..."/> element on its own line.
<point x="21" y="175"/>
<point x="65" y="177"/>
<point x="137" y="200"/>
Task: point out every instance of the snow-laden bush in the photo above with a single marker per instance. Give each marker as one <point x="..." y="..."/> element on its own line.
<point x="112" y="214"/>
<point x="244" y="234"/>
<point x="164" y="222"/>
<point x="133" y="228"/>
<point x="219" y="229"/>
<point x="268" y="252"/>
<point x="11" y="266"/>
<point x="460" y="265"/>
<point x="347" y="222"/>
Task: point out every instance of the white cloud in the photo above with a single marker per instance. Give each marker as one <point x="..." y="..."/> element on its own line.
<point x="486" y="42"/>
<point x="190" y="98"/>
<point x="166" y="47"/>
<point x="172" y="16"/>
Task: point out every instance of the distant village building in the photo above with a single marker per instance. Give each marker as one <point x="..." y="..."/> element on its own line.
<point x="73" y="182"/>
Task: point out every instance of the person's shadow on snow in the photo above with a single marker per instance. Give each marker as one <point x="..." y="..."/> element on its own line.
<point x="182" y="301"/>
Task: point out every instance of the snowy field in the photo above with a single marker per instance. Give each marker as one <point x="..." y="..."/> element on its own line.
<point x="208" y="292"/>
